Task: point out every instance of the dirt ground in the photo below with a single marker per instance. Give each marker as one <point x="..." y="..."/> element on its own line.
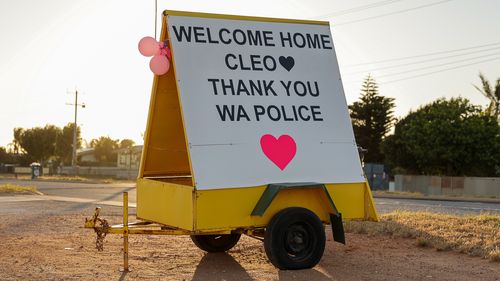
<point x="44" y="240"/>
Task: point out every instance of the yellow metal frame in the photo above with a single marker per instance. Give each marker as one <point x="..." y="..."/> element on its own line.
<point x="222" y="210"/>
<point x="165" y="136"/>
<point x="165" y="189"/>
<point x="238" y="17"/>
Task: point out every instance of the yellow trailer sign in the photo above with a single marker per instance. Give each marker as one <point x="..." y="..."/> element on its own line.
<point x="249" y="133"/>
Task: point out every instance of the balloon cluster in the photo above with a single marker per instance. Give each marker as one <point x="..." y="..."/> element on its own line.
<point x="160" y="61"/>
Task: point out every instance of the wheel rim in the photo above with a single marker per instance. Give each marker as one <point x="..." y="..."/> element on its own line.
<point x="299" y="241"/>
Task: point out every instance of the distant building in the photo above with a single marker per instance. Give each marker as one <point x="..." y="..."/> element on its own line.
<point x="129" y="158"/>
<point x="85" y="155"/>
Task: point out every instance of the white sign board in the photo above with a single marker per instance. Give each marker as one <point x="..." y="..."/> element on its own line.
<point x="262" y="103"/>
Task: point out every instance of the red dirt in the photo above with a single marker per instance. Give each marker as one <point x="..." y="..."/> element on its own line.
<point x="55" y="247"/>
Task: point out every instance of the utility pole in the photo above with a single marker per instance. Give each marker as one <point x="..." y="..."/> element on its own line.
<point x="76" y="104"/>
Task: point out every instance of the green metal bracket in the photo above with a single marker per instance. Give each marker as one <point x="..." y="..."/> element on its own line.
<point x="273" y="189"/>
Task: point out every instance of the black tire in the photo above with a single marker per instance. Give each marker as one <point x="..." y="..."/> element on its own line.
<point x="215" y="243"/>
<point x="295" y="239"/>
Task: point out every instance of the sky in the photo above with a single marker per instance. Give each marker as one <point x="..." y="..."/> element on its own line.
<point x="417" y="51"/>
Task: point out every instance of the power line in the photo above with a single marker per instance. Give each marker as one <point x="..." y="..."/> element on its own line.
<point x="439" y="71"/>
<point x="424" y="55"/>
<point x="358" y="9"/>
<point x="438" y="65"/>
<point x="388" y="2"/>
<point x="423" y="61"/>
<point x="393" y="13"/>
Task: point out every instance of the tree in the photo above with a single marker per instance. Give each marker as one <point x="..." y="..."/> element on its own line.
<point x="446" y="137"/>
<point x="64" y="143"/>
<point x="126" y="143"/>
<point x="7" y="157"/>
<point x="16" y="143"/>
<point x="493" y="94"/>
<point x="39" y="143"/>
<point x="372" y="117"/>
<point x="105" y="149"/>
<point x="4" y="156"/>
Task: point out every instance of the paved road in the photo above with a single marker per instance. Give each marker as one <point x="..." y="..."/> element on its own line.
<point x="101" y="192"/>
<point x="386" y="205"/>
<point x="113" y="192"/>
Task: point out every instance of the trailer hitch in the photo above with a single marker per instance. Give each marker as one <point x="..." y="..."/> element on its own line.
<point x="100" y="226"/>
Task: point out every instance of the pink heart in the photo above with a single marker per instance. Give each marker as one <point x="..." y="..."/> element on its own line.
<point x="280" y="151"/>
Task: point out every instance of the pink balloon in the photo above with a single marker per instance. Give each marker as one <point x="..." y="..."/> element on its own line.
<point x="148" y="46"/>
<point x="159" y="65"/>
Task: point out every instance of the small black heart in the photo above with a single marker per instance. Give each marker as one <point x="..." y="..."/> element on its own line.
<point x="287" y="62"/>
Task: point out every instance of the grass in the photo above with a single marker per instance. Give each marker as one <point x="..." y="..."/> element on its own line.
<point x="421" y="195"/>
<point x="474" y="235"/>
<point x="83" y="179"/>
<point x="406" y="193"/>
<point x="86" y="178"/>
<point x="17" y="189"/>
<point x="74" y="178"/>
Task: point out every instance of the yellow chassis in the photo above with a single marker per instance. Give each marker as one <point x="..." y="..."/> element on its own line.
<point x="225" y="210"/>
<point x="242" y="215"/>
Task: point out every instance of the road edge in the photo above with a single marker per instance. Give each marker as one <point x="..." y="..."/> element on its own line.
<point x="438" y="198"/>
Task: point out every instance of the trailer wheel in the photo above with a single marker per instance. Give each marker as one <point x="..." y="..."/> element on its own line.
<point x="294" y="239"/>
<point x="216" y="243"/>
